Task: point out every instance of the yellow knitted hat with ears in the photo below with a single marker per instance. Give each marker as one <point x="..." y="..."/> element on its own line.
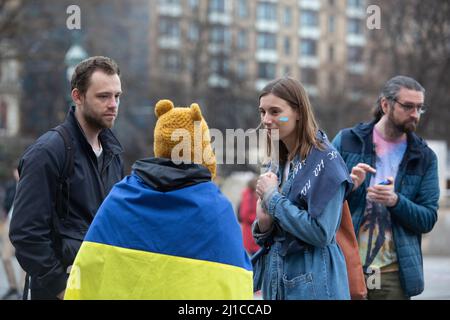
<point x="181" y="134"/>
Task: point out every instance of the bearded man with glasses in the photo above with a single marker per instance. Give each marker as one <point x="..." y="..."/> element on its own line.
<point x="396" y="190"/>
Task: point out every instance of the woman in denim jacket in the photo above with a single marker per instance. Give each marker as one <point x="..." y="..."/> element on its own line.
<point x="300" y="204"/>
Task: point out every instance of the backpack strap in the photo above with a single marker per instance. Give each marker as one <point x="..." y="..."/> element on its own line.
<point x="63" y="191"/>
<point x="63" y="187"/>
<point x="26" y="287"/>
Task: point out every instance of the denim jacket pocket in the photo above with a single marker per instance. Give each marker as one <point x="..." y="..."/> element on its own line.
<point x="299" y="288"/>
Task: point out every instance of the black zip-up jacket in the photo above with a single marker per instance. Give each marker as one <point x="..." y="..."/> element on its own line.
<point x="43" y="254"/>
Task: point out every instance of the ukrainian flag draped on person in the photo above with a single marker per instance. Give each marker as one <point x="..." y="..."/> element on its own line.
<point x="159" y="254"/>
<point x="181" y="242"/>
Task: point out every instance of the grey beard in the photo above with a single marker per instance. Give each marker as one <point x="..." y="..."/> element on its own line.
<point x="406" y="128"/>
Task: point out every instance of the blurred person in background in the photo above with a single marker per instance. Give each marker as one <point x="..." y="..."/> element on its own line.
<point x="247" y="215"/>
<point x="7" y="250"/>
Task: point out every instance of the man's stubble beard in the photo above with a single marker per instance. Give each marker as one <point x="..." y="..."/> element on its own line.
<point x="95" y="121"/>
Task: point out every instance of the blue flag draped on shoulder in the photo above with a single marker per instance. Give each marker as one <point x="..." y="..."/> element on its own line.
<point x="147" y="244"/>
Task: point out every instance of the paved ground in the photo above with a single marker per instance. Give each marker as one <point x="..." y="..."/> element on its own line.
<point x="3" y="281"/>
<point x="437" y="279"/>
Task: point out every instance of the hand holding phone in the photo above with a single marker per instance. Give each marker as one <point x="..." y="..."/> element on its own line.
<point x="380" y="194"/>
<point x="386" y="182"/>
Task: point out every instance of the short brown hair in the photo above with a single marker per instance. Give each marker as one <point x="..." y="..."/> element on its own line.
<point x="83" y="71"/>
<point x="293" y="92"/>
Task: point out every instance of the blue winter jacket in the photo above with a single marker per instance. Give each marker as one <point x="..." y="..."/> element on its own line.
<point x="417" y="187"/>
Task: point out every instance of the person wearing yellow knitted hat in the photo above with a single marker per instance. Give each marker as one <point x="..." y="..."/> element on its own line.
<point x="191" y="127"/>
<point x="166" y="231"/>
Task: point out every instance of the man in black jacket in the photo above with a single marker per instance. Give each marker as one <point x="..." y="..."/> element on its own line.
<point x="46" y="239"/>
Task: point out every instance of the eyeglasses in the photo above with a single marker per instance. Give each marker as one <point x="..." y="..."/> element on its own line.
<point x="421" y="108"/>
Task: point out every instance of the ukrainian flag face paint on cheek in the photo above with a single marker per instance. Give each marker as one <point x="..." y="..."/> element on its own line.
<point x="283" y="119"/>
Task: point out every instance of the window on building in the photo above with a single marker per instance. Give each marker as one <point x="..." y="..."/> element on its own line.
<point x="309" y="18"/>
<point x="266" y="70"/>
<point x="355" y="3"/>
<point x="194" y="32"/>
<point x="216" y="6"/>
<point x="287" y="71"/>
<point x="169" y="27"/>
<point x="308" y="76"/>
<point x="287" y="46"/>
<point x="355" y="26"/>
<point x="332" y="81"/>
<point x="219" y="65"/>
<point x="193" y="4"/>
<point x="266" y="11"/>
<point x="266" y="41"/>
<point x="170" y="2"/>
<point x="287" y="16"/>
<point x="190" y="65"/>
<point x="331" y="24"/>
<point x="308" y="47"/>
<point x="242" y="39"/>
<point x="242" y="9"/>
<point x="355" y="54"/>
<point x="331" y="53"/>
<point x="171" y="61"/>
<point x="242" y="69"/>
<point x="220" y="35"/>
<point x="3" y="114"/>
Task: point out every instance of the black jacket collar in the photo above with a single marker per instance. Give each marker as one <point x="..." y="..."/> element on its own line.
<point x="164" y="175"/>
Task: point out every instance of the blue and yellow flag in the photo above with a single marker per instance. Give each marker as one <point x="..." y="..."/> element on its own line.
<point x="148" y="244"/>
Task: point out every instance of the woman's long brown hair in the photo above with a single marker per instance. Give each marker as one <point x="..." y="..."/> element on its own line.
<point x="292" y="91"/>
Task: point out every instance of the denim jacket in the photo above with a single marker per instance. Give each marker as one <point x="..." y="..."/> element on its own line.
<point x="315" y="271"/>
